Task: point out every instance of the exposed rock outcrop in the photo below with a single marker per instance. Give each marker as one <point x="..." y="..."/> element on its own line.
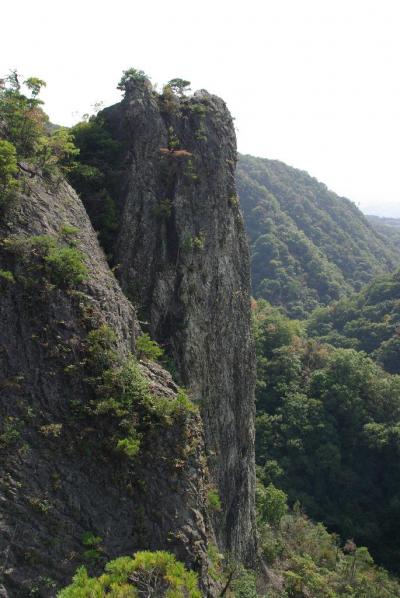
<point x="65" y="499"/>
<point x="182" y="257"/>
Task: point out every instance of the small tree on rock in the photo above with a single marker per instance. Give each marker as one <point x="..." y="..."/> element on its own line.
<point x="129" y="76"/>
<point x="179" y="86"/>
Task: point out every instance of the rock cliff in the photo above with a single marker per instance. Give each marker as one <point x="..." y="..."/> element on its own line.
<point x="67" y="496"/>
<point x="101" y="452"/>
<point x="182" y="257"/>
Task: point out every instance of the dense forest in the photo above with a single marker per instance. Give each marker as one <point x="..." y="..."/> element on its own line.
<point x="309" y="246"/>
<point x="388" y="227"/>
<point x="328" y="397"/>
<point x="367" y="321"/>
<point x="328" y="422"/>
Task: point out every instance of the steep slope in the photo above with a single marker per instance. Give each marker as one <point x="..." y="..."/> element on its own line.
<point x="367" y="321"/>
<point x="98" y="456"/>
<point x="387" y="227"/>
<point x="182" y="256"/>
<point x="308" y="245"/>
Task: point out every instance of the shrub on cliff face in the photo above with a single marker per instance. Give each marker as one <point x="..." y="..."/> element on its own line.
<point x="123" y="394"/>
<point x="66" y="267"/>
<point x="61" y="265"/>
<point x="8" y="171"/>
<point x="157" y="574"/>
<point x="146" y="347"/>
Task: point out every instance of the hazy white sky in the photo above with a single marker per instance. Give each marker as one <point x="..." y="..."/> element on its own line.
<point x="314" y="83"/>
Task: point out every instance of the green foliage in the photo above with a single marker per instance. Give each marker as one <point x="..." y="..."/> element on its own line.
<point x="234" y="201"/>
<point x="388" y="227"/>
<point x="195" y="242"/>
<point x="46" y="256"/>
<point x="173" y="141"/>
<point x="148" y="573"/>
<point x="92" y="544"/>
<point x="148" y="348"/>
<point x="26" y="129"/>
<point x="327" y="432"/>
<point x="271" y="504"/>
<point x="69" y="231"/>
<point x="66" y="266"/>
<point x="130" y="446"/>
<point x="309" y="247"/>
<point x="56" y="152"/>
<point x="101" y="349"/>
<point x="131" y="76"/>
<point x="51" y="430"/>
<point x="35" y="85"/>
<point x="8" y="171"/>
<point x="244" y="586"/>
<point x="10" y="432"/>
<point x="305" y="561"/>
<point x="90" y="539"/>
<point x="368" y="321"/>
<point x="24" y="120"/>
<point x="6" y="276"/>
<point x="39" y="504"/>
<point x="213" y="500"/>
<point x="179" y="86"/>
<point x="95" y="174"/>
<point x="123" y="399"/>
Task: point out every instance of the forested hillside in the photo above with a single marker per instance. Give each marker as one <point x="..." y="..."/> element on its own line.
<point x="368" y="321"/>
<point x="328" y="429"/>
<point x="388" y="227"/>
<point x="328" y="415"/>
<point x="309" y="246"/>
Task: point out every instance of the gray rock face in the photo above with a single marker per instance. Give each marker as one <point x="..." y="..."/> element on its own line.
<point x="56" y="480"/>
<point x="182" y="257"/>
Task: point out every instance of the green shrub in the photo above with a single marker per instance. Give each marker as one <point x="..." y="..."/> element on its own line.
<point x="28" y="136"/>
<point x="197" y="108"/>
<point x="6" y="276"/>
<point x="271" y="503"/>
<point x="8" y="171"/>
<point x="51" y="430"/>
<point x="41" y="505"/>
<point x="68" y="230"/>
<point x="92" y="543"/>
<point x="123" y="397"/>
<point x="129" y="76"/>
<point x="148" y="573"/>
<point x="179" y="86"/>
<point x="62" y="265"/>
<point x="194" y="242"/>
<point x="11" y="432"/>
<point x="129" y="446"/>
<point x="66" y="266"/>
<point x="245" y="585"/>
<point x="90" y="539"/>
<point x="146" y="347"/>
<point x="198" y="241"/>
<point x="182" y="403"/>
<point x="101" y="349"/>
<point x="213" y="500"/>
